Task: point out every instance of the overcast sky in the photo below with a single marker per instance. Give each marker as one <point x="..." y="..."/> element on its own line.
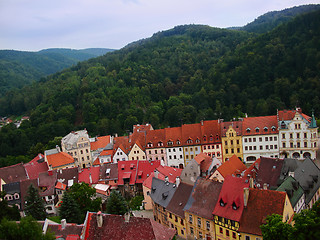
<point x="32" y="25"/>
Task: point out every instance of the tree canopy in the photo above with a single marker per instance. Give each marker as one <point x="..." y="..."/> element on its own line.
<point x="34" y="204"/>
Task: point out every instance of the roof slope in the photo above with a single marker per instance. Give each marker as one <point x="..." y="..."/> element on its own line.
<point x="162" y="192"/>
<point x="293" y="189"/>
<point x="269" y="172"/>
<point x="231" y="196"/>
<point x="59" y="159"/>
<point x="179" y="199"/>
<point x="90" y="175"/>
<point x="261" y="203"/>
<point x="260" y="125"/>
<point x="203" y="199"/>
<point x="233" y="166"/>
<point x="14" y="173"/>
<point x="101" y="142"/>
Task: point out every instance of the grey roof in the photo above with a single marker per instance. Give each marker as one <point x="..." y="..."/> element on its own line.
<point x="306" y="173"/>
<point x="51" y="151"/>
<point x="113" y="172"/>
<point x="72" y="138"/>
<point x="12" y="187"/>
<point x="162" y="191"/>
<point x="109" y="146"/>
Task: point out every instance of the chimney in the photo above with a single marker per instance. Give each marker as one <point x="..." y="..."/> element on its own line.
<point x="127" y="217"/>
<point x="177" y="181"/>
<point x="90" y="178"/>
<point x="245" y="197"/>
<point x="63" y="223"/>
<point x="166" y="179"/>
<point x="50" y="173"/>
<point x="265" y="186"/>
<point x="251" y="182"/>
<point x="156" y="173"/>
<point x="201" y="122"/>
<point x="58" y="148"/>
<point x="99" y="219"/>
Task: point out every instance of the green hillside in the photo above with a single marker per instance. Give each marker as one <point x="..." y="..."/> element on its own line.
<point x="19" y="68"/>
<point x="182" y="75"/>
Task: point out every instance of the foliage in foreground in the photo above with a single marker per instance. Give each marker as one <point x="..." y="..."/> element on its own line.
<point x="35" y="204"/>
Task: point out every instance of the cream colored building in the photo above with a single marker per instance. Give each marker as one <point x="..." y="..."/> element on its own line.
<point x="77" y="144"/>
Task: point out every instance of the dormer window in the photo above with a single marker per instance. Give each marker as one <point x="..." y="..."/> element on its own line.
<point x="273" y="128"/>
<point x="222" y="203"/>
<point x="170" y="143"/>
<point x="165" y="195"/>
<point x="211" y="138"/>
<point x="189" y="140"/>
<point x="205" y="138"/>
<point x="160" y="144"/>
<point x="153" y="189"/>
<point x="248" y="130"/>
<point x="150" y="144"/>
<point x="257" y="129"/>
<point x="265" y="129"/>
<point x="234" y="206"/>
<point x="197" y="140"/>
<point x="178" y="142"/>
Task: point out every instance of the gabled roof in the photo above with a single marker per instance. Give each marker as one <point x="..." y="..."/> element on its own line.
<point x="179" y="199"/>
<point x="293" y="190"/>
<point x="191" y="131"/>
<point x="47" y="180"/>
<point x="89" y="175"/>
<point x="35" y="166"/>
<point x="156" y="136"/>
<point x="261" y="203"/>
<point x="115" y="227"/>
<point x="70" y="231"/>
<point x="61" y="186"/>
<point x="142" y="128"/>
<point x="231" y="196"/>
<point x="173" y="135"/>
<point x="106" y="153"/>
<point x="236" y="125"/>
<point x="210" y="130"/>
<point x="161" y="172"/>
<point x="232" y="167"/>
<point x="145" y="168"/>
<point x="287" y="115"/>
<point x="14" y="173"/>
<point x="101" y="142"/>
<point x="203" y="198"/>
<point x="269" y="172"/>
<point x="162" y="232"/>
<point x="204" y="161"/>
<point x="162" y="192"/>
<point x="72" y="138"/>
<point x="59" y="159"/>
<point x="260" y="125"/>
<point x="252" y="170"/>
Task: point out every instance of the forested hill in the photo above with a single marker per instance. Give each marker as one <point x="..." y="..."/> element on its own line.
<point x="270" y="20"/>
<point x="178" y="76"/>
<point x="19" y="68"/>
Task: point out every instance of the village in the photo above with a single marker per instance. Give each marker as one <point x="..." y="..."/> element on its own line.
<point x="208" y="180"/>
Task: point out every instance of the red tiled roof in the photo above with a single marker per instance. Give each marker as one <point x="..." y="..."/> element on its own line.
<point x="191" y="131"/>
<point x="204" y="161"/>
<point x="84" y="175"/>
<point x="48" y="181"/>
<point x="33" y="168"/>
<point x="162" y="232"/>
<point x="61" y="186"/>
<point x="210" y="129"/>
<point x="71" y="231"/>
<point x="96" y="162"/>
<point x="260" y="125"/>
<point x="145" y="168"/>
<point x="14" y="173"/>
<point x="100" y="142"/>
<point x="142" y="128"/>
<point x="173" y="134"/>
<point x="231" y="193"/>
<point x="59" y="159"/>
<point x="233" y="166"/>
<point x="236" y="125"/>
<point x="289" y="115"/>
<point x="163" y="171"/>
<point x="114" y="227"/>
<point x="261" y="203"/>
<point x="124" y="169"/>
<point x="156" y="136"/>
<point x="252" y="170"/>
<point x="106" y="153"/>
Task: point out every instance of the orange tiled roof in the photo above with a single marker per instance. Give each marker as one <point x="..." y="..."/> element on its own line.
<point x="191" y="131"/>
<point x="59" y="159"/>
<point x="173" y="134"/>
<point x="155" y="137"/>
<point x="204" y="161"/>
<point x="101" y="142"/>
<point x="232" y="167"/>
<point x="210" y="130"/>
<point x="289" y="114"/>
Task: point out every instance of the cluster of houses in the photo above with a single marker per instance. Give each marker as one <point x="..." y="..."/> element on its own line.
<point x="210" y="180"/>
<point x="5" y="120"/>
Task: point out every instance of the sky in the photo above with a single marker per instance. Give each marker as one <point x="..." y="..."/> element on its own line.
<point x="32" y="25"/>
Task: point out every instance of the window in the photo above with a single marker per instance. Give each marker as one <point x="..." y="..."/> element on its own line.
<point x="227" y="233"/>
<point x="260" y="139"/>
<point x="305" y="135"/>
<point x="254" y="139"/>
<point x="220" y="230"/>
<point x="234" y="235"/>
<point x="199" y="222"/>
<point x="283" y="145"/>
<point x="182" y="232"/>
<point x="87" y="151"/>
<point x="226" y="151"/>
<point x="305" y="144"/>
<point x="191" y="231"/>
<point x="298" y="135"/>
<point x="261" y="147"/>
<point x="291" y="136"/>
<point x="231" y="142"/>
<point x="175" y="218"/>
<point x="245" y="140"/>
<point x="181" y="222"/>
<point x="200" y="235"/>
<point x="204" y="147"/>
<point x="266" y="139"/>
<point x="226" y="143"/>
<point x="208" y="225"/>
<point x="170" y="215"/>
<point x="247" y="237"/>
<point x="238" y="141"/>
<point x="190" y="218"/>
<point x="238" y="150"/>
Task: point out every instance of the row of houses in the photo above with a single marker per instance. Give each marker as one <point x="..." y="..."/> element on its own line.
<point x="290" y="133"/>
<point x="235" y="206"/>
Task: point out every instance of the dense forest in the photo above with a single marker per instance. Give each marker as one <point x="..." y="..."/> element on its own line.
<point x="182" y="75"/>
<point x="18" y="68"/>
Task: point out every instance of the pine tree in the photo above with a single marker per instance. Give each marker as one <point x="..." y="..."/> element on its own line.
<point x="116" y="204"/>
<point x="69" y="209"/>
<point x="35" y="204"/>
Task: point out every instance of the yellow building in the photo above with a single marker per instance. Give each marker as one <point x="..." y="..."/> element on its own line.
<point x="137" y="152"/>
<point x="258" y="205"/>
<point x="231" y="139"/>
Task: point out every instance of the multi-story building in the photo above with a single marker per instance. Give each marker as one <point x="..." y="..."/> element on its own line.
<point x="198" y="210"/>
<point x="260" y="137"/>
<point x="77" y="144"/>
<point x="211" y="139"/>
<point x="298" y="134"/>
<point x="231" y="138"/>
<point x="228" y="210"/>
<point x="155" y="149"/>
<point x="173" y="147"/>
<point x="191" y="141"/>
